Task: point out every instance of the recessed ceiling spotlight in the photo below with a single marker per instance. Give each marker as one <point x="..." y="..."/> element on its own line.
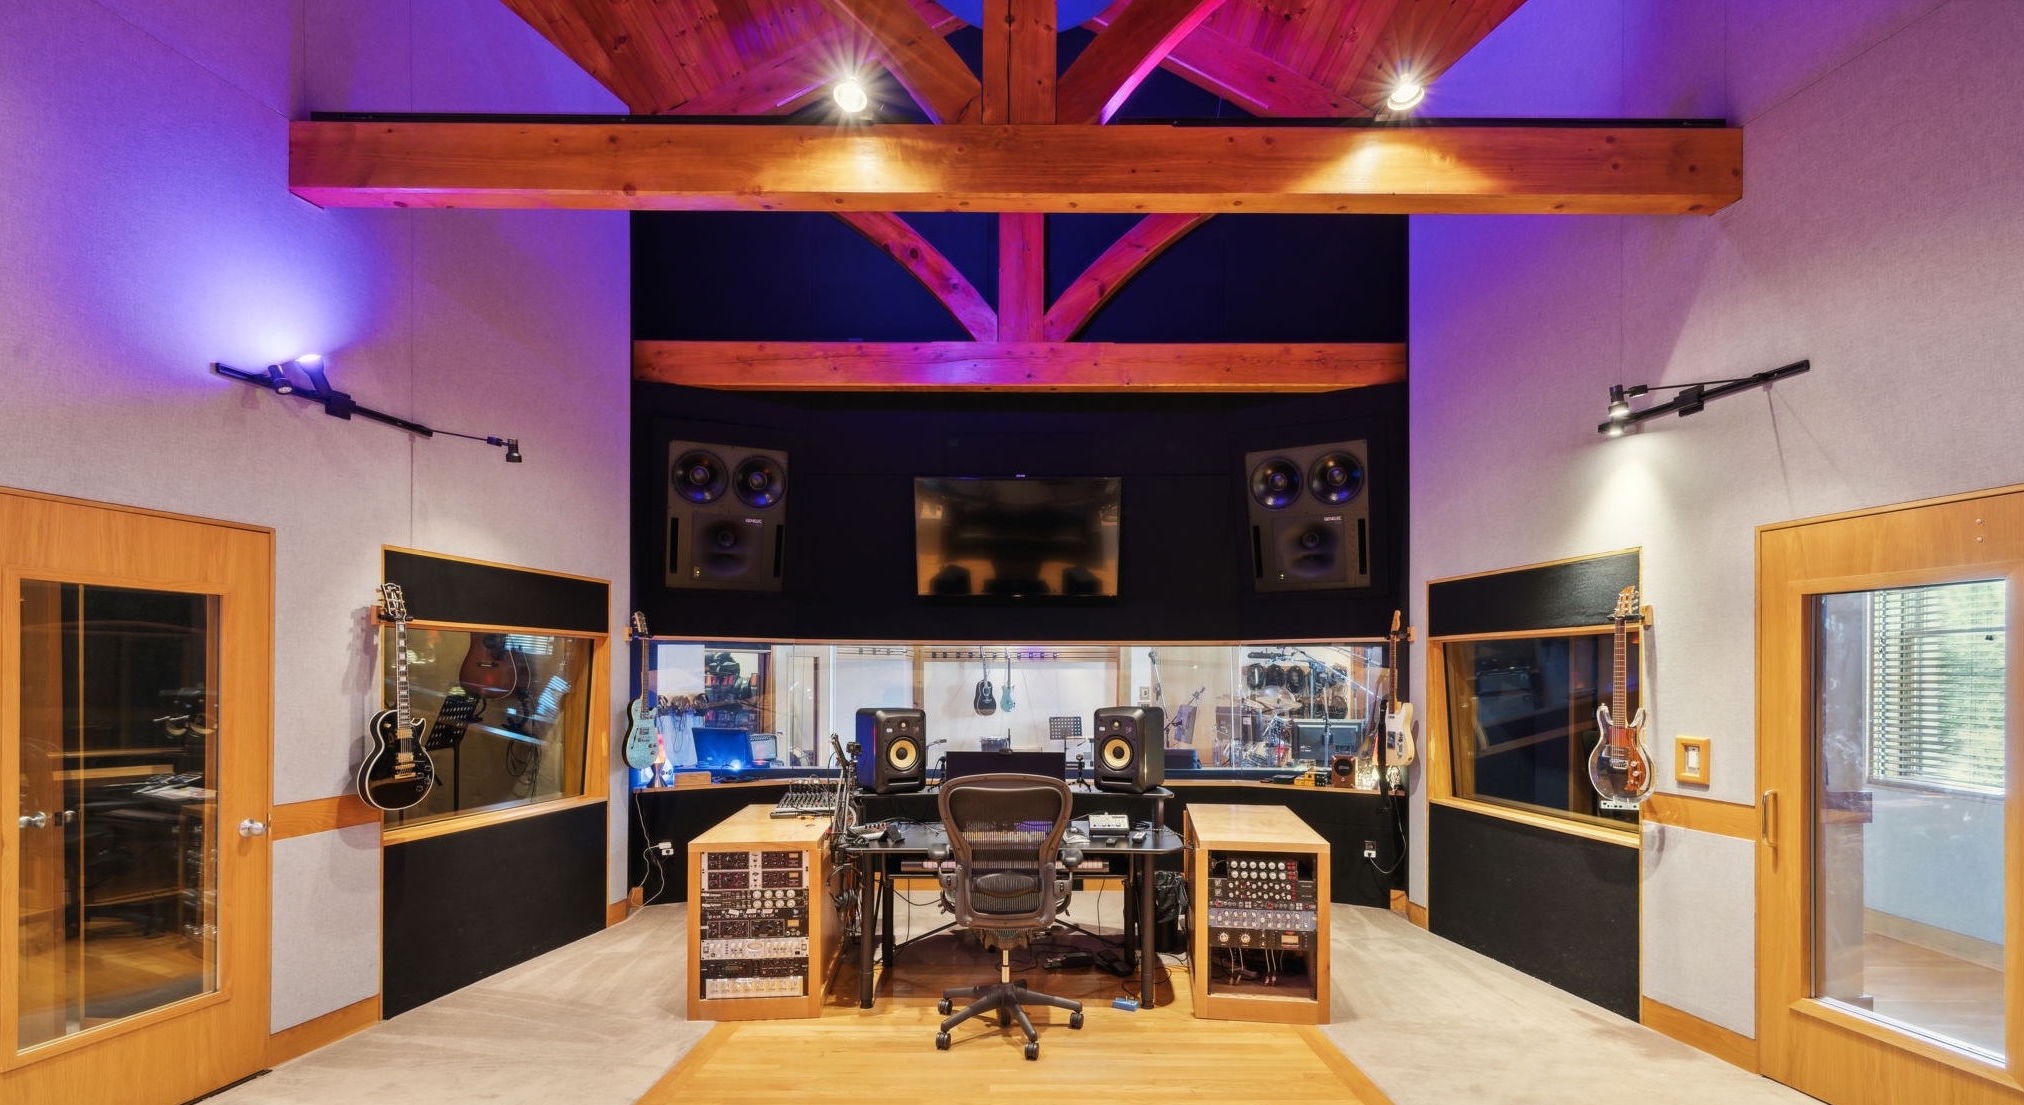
<point x="850" y="95"/>
<point x="1405" y="95"/>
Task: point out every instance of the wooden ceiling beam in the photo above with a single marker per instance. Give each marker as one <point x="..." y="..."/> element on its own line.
<point x="1019" y="61"/>
<point x="1224" y="67"/>
<point x="1109" y="273"/>
<point x="1138" y="170"/>
<point x="1134" y="43"/>
<point x="794" y="78"/>
<point x="927" y="67"/>
<point x="928" y="265"/>
<point x="1017" y="366"/>
<point x="1022" y="275"/>
<point x="1421" y="39"/>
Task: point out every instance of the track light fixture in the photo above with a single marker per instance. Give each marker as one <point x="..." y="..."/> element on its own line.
<point x="1407" y="93"/>
<point x="850" y="95"/>
<point x="1690" y="398"/>
<point x="281" y="380"/>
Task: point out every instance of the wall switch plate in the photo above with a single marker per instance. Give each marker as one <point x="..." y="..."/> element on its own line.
<point x="1145" y="696"/>
<point x="1370" y="849"/>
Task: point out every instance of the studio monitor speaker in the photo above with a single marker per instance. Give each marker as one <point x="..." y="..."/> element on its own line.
<point x="727" y="522"/>
<point x="1342" y="770"/>
<point x="892" y="749"/>
<point x="1310" y="516"/>
<point x="1130" y="748"/>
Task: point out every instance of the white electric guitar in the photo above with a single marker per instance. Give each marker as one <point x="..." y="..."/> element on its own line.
<point x="1398" y="717"/>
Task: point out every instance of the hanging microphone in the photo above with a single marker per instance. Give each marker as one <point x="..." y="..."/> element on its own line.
<point x="1275" y="654"/>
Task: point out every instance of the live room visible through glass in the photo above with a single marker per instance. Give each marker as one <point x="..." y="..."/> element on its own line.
<point x="117" y="861"/>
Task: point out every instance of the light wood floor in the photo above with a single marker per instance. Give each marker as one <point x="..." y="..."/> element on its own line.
<point x="1935" y="992"/>
<point x="849" y="1055"/>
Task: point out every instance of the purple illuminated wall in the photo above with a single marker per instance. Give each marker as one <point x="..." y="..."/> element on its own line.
<point x="1879" y="235"/>
<point x="148" y="231"/>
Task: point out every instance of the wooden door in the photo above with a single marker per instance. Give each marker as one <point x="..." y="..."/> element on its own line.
<point x="1887" y="737"/>
<point x="135" y="706"/>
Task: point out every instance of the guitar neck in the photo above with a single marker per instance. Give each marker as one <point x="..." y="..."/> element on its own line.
<point x="401" y="677"/>
<point x="1619" y="698"/>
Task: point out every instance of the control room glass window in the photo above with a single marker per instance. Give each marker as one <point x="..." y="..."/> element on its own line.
<point x="1521" y="720"/>
<point x="507" y="717"/>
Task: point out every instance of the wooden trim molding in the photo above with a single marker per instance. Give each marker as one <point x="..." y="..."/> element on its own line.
<point x="1626" y="837"/>
<point x="300" y="1040"/>
<point x="1722" y="1043"/>
<point x="1538" y="170"/>
<point x="617" y="911"/>
<point x="1702" y="815"/>
<point x="1416" y="913"/>
<point x="410" y="833"/>
<point x="321" y="815"/>
<point x="1017" y="366"/>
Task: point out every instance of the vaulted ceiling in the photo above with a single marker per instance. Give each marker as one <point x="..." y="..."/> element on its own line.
<point x="1019" y="135"/>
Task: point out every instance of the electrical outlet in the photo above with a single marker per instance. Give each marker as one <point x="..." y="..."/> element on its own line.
<point x="665" y="847"/>
<point x="1370" y="849"/>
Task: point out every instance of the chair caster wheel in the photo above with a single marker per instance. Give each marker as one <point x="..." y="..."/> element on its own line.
<point x="944" y="1007"/>
<point x="1033" y="1051"/>
<point x="1075" y="1020"/>
<point x="941" y="1041"/>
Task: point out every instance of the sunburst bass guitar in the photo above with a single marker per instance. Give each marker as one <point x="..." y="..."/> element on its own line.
<point x="1620" y="767"/>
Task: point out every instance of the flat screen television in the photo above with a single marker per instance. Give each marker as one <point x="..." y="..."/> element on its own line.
<point x="1019" y="538"/>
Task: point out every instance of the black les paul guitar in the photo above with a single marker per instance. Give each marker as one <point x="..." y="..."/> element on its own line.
<point x="398" y="772"/>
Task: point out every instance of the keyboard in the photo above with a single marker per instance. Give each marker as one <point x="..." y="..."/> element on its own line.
<point x="807" y="798"/>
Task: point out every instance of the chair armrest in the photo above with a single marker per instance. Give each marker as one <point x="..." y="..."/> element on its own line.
<point x="940" y="852"/>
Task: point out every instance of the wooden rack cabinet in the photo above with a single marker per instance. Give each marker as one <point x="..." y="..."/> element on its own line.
<point x="1259" y="950"/>
<point x="762" y="930"/>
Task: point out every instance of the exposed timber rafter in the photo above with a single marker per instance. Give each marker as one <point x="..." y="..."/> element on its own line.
<point x="1080" y="301"/>
<point x="1112" y="66"/>
<point x="927" y="67"/>
<point x="1258" y="84"/>
<point x="927" y="264"/>
<point x="1017" y="366"/>
<point x="1652" y="170"/>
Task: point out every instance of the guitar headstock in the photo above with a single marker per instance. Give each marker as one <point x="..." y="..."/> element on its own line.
<point x="393" y="605"/>
<point x="639" y="624"/>
<point x="1626" y="605"/>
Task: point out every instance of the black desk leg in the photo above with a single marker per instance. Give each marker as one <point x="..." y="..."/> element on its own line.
<point x="891" y="949"/>
<point x="1148" y="958"/>
<point x="867" y="925"/>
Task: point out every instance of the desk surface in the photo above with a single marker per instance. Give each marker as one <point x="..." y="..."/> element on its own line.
<point x="918" y="839"/>
<point x="1253" y="827"/>
<point x="756" y="825"/>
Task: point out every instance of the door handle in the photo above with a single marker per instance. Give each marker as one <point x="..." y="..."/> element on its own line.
<point x="1768" y="810"/>
<point x="250" y="828"/>
<point x="37" y="820"/>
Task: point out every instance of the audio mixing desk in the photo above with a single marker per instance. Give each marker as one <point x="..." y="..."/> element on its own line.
<point x="1259" y="946"/>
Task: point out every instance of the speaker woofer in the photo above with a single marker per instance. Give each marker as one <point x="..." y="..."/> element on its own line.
<point x="902" y="754"/>
<point x="760" y="482"/>
<point x="1115" y="753"/>
<point x="699" y="476"/>
<point x="1336" y="478"/>
<point x="722" y="551"/>
<point x="1275" y="483"/>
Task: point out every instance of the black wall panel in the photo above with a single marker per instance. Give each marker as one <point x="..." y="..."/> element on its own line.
<point x="1555" y="596"/>
<point x="441" y="589"/>
<point x="1561" y="908"/>
<point x="1184" y="560"/>
<point x="465" y="905"/>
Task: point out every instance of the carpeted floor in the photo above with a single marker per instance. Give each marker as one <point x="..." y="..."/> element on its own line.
<point x="600" y="1021"/>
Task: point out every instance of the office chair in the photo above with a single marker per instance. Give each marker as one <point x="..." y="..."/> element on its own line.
<point x="1004" y="834"/>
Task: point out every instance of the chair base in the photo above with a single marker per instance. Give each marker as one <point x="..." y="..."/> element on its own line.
<point x="1007" y="999"/>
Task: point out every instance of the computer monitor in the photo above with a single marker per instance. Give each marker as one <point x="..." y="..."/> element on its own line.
<point x="1317" y="739"/>
<point x="955" y="765"/>
<point x="765" y="747"/>
<point x="1182" y="759"/>
<point x="722" y="748"/>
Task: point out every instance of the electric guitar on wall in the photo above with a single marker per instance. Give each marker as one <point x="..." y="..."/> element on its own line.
<point x="1398" y="719"/>
<point x="1621" y="766"/>
<point x="398" y="772"/>
<point x="1005" y="699"/>
<point x="985" y="702"/>
<point x="645" y="710"/>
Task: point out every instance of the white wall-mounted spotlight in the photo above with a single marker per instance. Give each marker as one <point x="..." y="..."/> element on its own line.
<point x="850" y="95"/>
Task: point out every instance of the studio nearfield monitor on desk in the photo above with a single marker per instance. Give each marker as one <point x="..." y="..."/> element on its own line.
<point x="892" y="755"/>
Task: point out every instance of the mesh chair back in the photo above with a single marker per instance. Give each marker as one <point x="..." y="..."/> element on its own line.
<point x="1004" y="831"/>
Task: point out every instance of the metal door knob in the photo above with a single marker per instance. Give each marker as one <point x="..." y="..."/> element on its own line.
<point x="37" y="820"/>
<point x="250" y="827"/>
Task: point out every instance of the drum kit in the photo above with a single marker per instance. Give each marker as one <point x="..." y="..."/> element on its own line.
<point x="1296" y="686"/>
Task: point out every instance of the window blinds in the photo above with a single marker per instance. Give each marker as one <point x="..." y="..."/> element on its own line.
<point x="1937" y="672"/>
